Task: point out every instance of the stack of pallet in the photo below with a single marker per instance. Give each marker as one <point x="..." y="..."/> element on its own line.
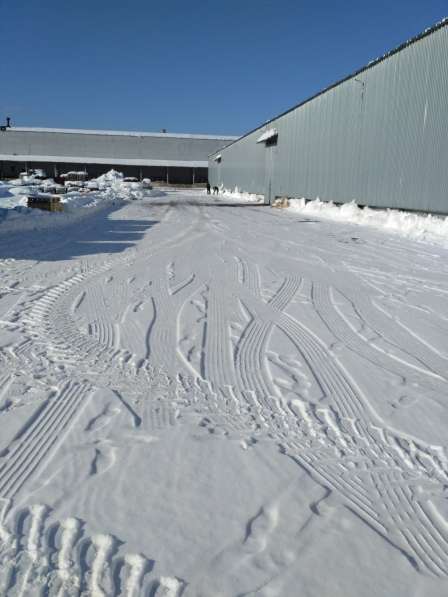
<point x="45" y="201"/>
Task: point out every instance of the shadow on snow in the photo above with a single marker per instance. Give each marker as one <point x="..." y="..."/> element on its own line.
<point x="95" y="234"/>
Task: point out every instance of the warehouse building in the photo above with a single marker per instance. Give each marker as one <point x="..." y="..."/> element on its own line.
<point x="172" y="158"/>
<point x="378" y="137"/>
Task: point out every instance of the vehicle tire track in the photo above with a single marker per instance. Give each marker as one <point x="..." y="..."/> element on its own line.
<point x="250" y="353"/>
<point x="336" y="323"/>
<point x="32" y="448"/>
<point x="400" y="337"/>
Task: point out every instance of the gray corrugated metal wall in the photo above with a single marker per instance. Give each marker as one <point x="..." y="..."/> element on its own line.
<point x="379" y="137"/>
<point x="107" y="146"/>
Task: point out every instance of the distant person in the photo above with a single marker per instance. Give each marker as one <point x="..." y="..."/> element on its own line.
<point x="208" y="188"/>
<point x="215" y="190"/>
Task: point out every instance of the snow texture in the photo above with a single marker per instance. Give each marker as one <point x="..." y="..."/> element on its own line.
<point x="203" y="398"/>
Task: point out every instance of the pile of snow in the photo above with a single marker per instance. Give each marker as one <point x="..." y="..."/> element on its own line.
<point x="237" y="195"/>
<point x="77" y="206"/>
<point x="99" y="193"/>
<point x="12" y="195"/>
<point x="115" y="182"/>
<point x="110" y="179"/>
<point x="411" y="225"/>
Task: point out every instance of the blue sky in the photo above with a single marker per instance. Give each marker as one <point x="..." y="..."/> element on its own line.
<point x="200" y="67"/>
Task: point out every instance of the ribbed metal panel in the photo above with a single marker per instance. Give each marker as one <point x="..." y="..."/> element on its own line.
<point x="379" y="137"/>
<point x="108" y="146"/>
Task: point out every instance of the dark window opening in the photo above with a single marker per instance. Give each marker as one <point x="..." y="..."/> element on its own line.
<point x="271" y="141"/>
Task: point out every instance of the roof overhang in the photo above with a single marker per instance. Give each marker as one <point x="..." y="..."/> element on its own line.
<point x="24" y="129"/>
<point x="57" y="159"/>
<point x="267" y="135"/>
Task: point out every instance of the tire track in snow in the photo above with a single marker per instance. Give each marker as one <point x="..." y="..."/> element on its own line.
<point x="336" y="323"/>
<point x="250" y="353"/>
<point x="395" y="334"/>
<point x="33" y="446"/>
<point x="342" y="437"/>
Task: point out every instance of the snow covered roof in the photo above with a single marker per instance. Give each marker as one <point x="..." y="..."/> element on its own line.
<point x="218" y="157"/>
<point x="268" y="134"/>
<point x="121" y="133"/>
<point x="96" y="160"/>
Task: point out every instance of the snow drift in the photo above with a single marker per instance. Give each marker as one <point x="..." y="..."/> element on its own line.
<point x="422" y="227"/>
<point x="415" y="226"/>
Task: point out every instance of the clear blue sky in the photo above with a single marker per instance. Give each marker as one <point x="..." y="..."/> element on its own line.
<point x="187" y="66"/>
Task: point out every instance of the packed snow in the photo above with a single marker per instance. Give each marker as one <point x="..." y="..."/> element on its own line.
<point x="203" y="399"/>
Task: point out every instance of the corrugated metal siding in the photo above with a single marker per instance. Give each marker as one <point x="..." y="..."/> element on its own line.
<point x="380" y="137"/>
<point x="107" y="147"/>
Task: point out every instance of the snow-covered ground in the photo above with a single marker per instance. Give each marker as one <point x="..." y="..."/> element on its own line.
<point x="201" y="399"/>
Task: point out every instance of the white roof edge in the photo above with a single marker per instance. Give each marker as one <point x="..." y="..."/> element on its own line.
<point x="217" y="157"/>
<point x="112" y="161"/>
<point x="121" y="133"/>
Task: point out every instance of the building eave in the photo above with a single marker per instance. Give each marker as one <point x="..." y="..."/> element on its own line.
<point x="57" y="159"/>
<point x="121" y="133"/>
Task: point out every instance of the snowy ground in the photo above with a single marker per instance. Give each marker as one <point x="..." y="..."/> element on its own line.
<point x="209" y="399"/>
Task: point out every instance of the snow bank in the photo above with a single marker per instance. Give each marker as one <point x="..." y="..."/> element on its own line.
<point x="109" y="179"/>
<point x="13" y="195"/>
<point x="112" y="189"/>
<point x="116" y="182"/>
<point x="411" y="225"/>
<point x="77" y="206"/>
<point x="238" y="195"/>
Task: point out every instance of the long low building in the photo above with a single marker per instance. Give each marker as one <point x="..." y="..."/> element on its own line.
<point x="378" y="137"/>
<point x="172" y="158"/>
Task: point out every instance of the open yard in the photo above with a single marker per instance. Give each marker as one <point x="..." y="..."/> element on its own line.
<point x="209" y="399"/>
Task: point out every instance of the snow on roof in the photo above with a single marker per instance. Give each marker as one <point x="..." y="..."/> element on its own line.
<point x="268" y="134"/>
<point x="121" y="133"/>
<point x="217" y="157"/>
<point x="113" y="161"/>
